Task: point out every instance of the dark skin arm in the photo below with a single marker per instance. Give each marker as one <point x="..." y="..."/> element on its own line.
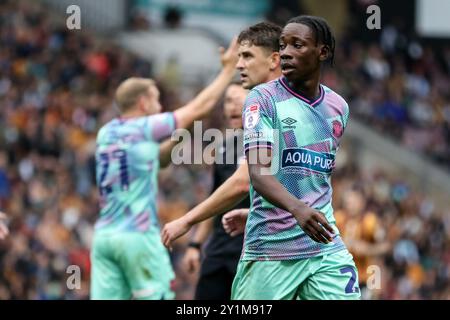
<point x="312" y="222"/>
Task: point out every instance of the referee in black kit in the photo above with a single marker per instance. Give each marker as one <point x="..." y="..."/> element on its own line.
<point x="222" y="251"/>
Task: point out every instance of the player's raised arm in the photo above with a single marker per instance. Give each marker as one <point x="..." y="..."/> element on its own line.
<point x="204" y="102"/>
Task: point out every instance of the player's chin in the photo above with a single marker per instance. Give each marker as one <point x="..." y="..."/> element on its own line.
<point x="290" y="73"/>
<point x="246" y="83"/>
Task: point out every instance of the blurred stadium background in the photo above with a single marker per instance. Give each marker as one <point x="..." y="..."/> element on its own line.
<point x="391" y="185"/>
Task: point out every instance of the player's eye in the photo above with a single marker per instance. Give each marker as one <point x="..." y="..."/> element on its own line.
<point x="282" y="46"/>
<point x="298" y="45"/>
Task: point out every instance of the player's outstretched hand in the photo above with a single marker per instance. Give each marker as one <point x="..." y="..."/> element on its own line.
<point x="314" y="224"/>
<point x="3" y="226"/>
<point x="173" y="230"/>
<point x="234" y="221"/>
<point x="191" y="260"/>
<point x="229" y="57"/>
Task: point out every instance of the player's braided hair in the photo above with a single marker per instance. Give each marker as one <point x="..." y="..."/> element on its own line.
<point x="321" y="30"/>
<point x="263" y="34"/>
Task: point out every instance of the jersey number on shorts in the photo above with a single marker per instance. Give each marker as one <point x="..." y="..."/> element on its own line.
<point x="350" y="287"/>
<point x="105" y="158"/>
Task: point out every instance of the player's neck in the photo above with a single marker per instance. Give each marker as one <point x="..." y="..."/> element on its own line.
<point x="309" y="88"/>
<point x="274" y="75"/>
<point x="132" y="113"/>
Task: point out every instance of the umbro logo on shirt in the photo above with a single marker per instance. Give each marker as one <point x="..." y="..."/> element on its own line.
<point x="289" y="122"/>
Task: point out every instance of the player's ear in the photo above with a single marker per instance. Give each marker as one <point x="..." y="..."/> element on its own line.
<point x="274" y="61"/>
<point x="140" y="103"/>
<point x="324" y="52"/>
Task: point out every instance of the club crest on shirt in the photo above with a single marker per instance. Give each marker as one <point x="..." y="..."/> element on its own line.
<point x="251" y="117"/>
<point x="337" y="128"/>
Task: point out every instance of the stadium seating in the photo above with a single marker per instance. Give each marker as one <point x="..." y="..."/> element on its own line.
<point x="56" y="91"/>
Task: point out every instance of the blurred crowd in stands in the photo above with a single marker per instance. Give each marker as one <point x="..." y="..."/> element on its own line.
<point x="400" y="240"/>
<point x="400" y="88"/>
<point x="56" y="89"/>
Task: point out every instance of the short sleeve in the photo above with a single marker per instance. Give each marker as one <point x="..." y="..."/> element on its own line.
<point x="160" y="126"/>
<point x="257" y="122"/>
<point x="345" y="115"/>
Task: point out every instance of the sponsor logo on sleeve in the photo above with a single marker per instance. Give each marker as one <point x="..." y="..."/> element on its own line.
<point x="254" y="135"/>
<point x="337" y="128"/>
<point x="251" y="117"/>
